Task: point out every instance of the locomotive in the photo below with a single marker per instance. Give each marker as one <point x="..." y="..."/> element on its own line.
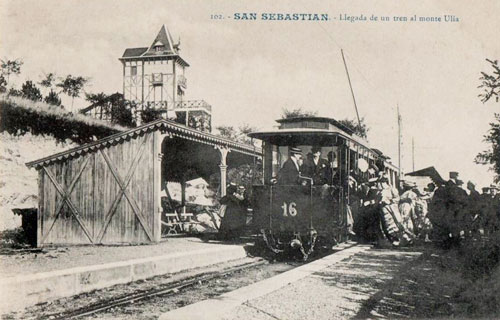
<point x="303" y="216"/>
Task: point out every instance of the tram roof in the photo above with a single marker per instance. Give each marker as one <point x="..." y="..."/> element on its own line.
<point x="308" y="126"/>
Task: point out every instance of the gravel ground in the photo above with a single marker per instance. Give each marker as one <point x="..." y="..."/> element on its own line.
<point x="384" y="284"/>
<point x="55" y="258"/>
<point x="337" y="292"/>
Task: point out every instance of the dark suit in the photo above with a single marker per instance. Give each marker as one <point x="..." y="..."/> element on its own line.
<point x="289" y="174"/>
<point x="318" y="172"/>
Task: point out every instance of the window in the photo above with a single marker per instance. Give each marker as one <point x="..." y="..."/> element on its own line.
<point x="157" y="79"/>
<point x="133" y="71"/>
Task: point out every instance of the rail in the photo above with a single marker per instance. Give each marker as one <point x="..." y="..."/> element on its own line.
<point x="167" y="289"/>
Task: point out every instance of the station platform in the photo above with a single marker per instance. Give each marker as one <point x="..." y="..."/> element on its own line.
<point x="36" y="276"/>
<point x="339" y="286"/>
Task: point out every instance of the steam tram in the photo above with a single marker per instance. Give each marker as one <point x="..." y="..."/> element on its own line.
<point x="303" y="216"/>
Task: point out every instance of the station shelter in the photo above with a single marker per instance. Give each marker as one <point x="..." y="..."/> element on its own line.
<point x="109" y="191"/>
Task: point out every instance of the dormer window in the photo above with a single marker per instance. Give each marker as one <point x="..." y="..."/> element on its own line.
<point x="159" y="46"/>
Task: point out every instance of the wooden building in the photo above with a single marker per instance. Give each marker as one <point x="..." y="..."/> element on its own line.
<point x="154" y="77"/>
<point x="108" y="191"/>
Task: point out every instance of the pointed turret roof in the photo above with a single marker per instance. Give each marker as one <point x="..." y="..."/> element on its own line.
<point x="163" y="38"/>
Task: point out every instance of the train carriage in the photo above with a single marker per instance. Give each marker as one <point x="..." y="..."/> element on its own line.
<point x="301" y="215"/>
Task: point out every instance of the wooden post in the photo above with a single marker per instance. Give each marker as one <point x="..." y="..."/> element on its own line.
<point x="40" y="209"/>
<point x="124" y="63"/>
<point x="157" y="165"/>
<point x="174" y="84"/>
<point x="223" y="151"/>
<point x="183" y="191"/>
<point x="142" y="85"/>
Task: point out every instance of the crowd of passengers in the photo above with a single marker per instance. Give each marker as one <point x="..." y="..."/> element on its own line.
<point x="443" y="212"/>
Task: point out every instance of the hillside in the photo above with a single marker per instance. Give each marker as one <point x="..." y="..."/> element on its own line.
<point x="18" y="184"/>
<point x="29" y="131"/>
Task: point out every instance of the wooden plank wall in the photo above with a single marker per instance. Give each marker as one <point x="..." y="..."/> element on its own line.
<point x="105" y="197"/>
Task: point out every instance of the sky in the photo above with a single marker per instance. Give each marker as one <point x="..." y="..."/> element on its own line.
<point x="250" y="70"/>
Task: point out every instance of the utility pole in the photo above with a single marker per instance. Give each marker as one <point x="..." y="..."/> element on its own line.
<point x="350" y="85"/>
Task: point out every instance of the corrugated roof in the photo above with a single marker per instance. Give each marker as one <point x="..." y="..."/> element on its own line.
<point x="318" y="119"/>
<point x="173" y="128"/>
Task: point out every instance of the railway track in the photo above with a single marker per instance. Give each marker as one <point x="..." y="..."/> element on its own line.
<point x="162" y="290"/>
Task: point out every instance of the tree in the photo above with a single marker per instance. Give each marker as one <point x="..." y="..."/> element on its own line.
<point x="48" y="81"/>
<point x="30" y="91"/>
<point x="297" y="112"/>
<point x="121" y="114"/>
<point x="53" y="99"/>
<point x="360" y="130"/>
<point x="9" y="67"/>
<point x="72" y="86"/>
<point x="490" y="83"/>
<point x="491" y="86"/>
<point x="15" y="92"/>
<point x="492" y="156"/>
<point x="227" y="132"/>
<point x="115" y="105"/>
<point x="150" y="114"/>
<point x="3" y="84"/>
<point x="98" y="98"/>
<point x="239" y="135"/>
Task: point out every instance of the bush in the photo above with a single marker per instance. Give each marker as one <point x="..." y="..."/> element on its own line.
<point x="481" y="257"/>
<point x="19" y="116"/>
<point x="150" y="114"/>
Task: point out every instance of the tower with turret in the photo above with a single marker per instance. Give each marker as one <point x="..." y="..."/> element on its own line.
<point x="154" y="77"/>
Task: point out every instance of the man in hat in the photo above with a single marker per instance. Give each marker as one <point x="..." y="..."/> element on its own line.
<point x="447" y="210"/>
<point x="488" y="216"/>
<point x="235" y="209"/>
<point x="289" y="173"/>
<point x="472" y="216"/>
<point x="315" y="167"/>
<point x="332" y="170"/>
<point x="495" y="194"/>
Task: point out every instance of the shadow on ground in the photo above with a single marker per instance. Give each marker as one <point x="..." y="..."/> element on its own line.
<point x="416" y="283"/>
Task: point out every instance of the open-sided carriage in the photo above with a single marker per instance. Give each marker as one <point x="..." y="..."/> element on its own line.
<point x="302" y="216"/>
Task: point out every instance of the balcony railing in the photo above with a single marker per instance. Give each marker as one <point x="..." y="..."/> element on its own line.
<point x="189" y="104"/>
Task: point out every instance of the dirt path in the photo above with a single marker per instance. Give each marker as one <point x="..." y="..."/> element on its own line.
<point x="435" y="286"/>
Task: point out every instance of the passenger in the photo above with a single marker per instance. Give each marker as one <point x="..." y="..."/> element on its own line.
<point x="407" y="203"/>
<point x="462" y="215"/>
<point x="315" y="167"/>
<point x="423" y="226"/>
<point x="331" y="172"/>
<point x="289" y="173"/>
<point x="368" y="223"/>
<point x="352" y="205"/>
<point x="486" y="207"/>
<point x="446" y="212"/>
<point x="473" y="210"/>
<point x="391" y="218"/>
<point x="494" y="212"/>
<point x="234" y="221"/>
